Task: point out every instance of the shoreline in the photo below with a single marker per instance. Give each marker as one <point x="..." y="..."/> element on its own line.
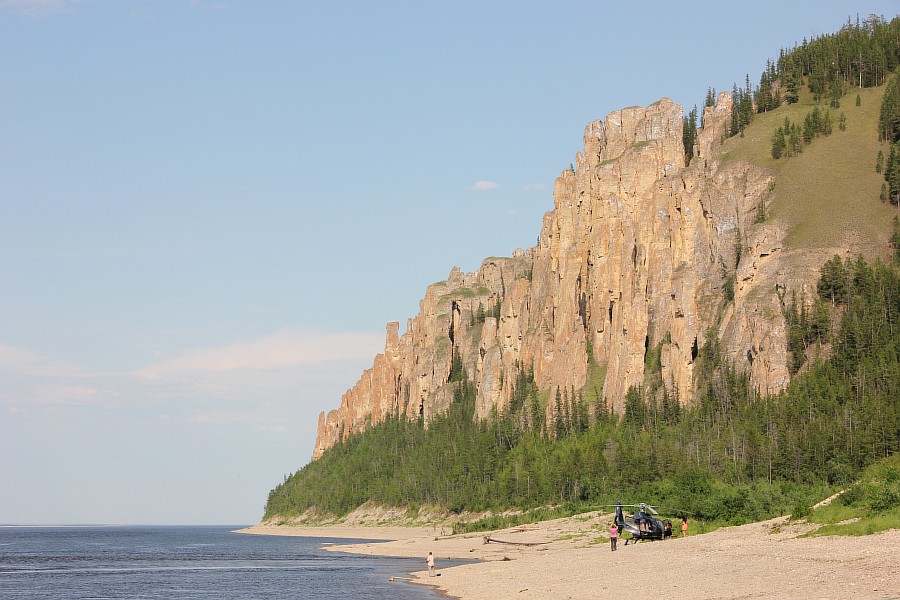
<point x="377" y="537"/>
<point x="571" y="558"/>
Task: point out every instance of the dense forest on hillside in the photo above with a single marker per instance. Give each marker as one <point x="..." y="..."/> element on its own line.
<point x="732" y="453"/>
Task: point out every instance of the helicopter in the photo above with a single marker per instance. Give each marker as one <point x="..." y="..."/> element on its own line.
<point x="642" y="525"/>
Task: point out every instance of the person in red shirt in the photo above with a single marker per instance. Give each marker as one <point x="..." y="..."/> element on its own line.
<point x="613" y="536"/>
<point x="683" y="526"/>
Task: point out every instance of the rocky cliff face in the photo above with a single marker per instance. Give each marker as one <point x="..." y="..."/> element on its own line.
<point x="640" y="254"/>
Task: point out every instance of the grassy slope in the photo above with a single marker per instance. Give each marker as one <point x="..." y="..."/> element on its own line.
<point x="828" y="196"/>
<point x="871" y="505"/>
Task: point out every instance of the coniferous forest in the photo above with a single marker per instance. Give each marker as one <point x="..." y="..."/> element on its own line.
<point x="732" y="455"/>
<point x="731" y="451"/>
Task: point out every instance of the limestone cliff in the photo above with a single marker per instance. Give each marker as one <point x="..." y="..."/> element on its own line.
<point x="636" y="255"/>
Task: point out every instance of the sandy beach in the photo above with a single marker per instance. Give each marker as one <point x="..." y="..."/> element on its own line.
<point x="571" y="558"/>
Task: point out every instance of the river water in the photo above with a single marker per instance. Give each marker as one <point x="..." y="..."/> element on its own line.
<point x="191" y="563"/>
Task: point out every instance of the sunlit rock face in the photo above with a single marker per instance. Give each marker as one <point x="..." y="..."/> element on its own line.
<point x="635" y="256"/>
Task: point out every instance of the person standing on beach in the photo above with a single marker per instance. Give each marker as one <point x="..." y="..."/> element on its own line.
<point x="683" y="526"/>
<point x="429" y="560"/>
<point x="613" y="536"/>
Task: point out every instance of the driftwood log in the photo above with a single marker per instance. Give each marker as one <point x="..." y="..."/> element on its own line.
<point x="488" y="539"/>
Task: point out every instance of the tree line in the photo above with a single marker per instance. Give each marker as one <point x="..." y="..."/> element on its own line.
<point x="732" y="452"/>
<point x="862" y="54"/>
<point x="889" y="132"/>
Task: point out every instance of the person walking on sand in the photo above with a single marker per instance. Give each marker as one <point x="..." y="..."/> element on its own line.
<point x="429" y="560"/>
<point x="683" y="526"/>
<point x="613" y="536"/>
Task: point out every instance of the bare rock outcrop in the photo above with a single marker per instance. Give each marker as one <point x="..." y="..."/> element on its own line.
<point x="640" y="254"/>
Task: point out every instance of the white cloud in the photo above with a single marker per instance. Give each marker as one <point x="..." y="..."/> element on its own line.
<point x="38" y="8"/>
<point x="237" y="404"/>
<point x="482" y="186"/>
<point x="534" y="187"/>
<point x="17" y="357"/>
<point x="280" y="350"/>
<point x="32" y="363"/>
<point x="251" y="377"/>
<point x="30" y="379"/>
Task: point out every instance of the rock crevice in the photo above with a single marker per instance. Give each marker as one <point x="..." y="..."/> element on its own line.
<point x="636" y="254"/>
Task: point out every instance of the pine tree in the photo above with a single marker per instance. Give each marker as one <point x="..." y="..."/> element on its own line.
<point x="635" y="408"/>
<point x="832" y="284"/>
<point x="889" y="116"/>
<point x="791" y="87"/>
<point x="760" y="213"/>
<point x="836" y="92"/>
<point x="892" y="174"/>
<point x="809" y="129"/>
<point x="765" y="97"/>
<point x="778" y="143"/>
<point x="457" y="373"/>
<point x="820" y="321"/>
<point x="795" y="140"/>
<point x="558" y="420"/>
<point x="895" y="239"/>
<point x="735" y="125"/>
<point x="538" y="417"/>
<point x="742" y="107"/>
<point x="689" y="135"/>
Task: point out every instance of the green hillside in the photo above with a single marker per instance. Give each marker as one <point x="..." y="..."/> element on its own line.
<point x="870" y="505"/>
<point x="828" y="195"/>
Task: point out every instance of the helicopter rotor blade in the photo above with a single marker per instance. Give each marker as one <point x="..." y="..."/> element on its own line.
<point x="647" y="508"/>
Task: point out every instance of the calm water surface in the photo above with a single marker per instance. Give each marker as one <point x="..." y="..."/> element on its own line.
<point x="191" y="563"/>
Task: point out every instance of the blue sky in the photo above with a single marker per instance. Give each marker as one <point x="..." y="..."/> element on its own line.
<point x="210" y="210"/>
